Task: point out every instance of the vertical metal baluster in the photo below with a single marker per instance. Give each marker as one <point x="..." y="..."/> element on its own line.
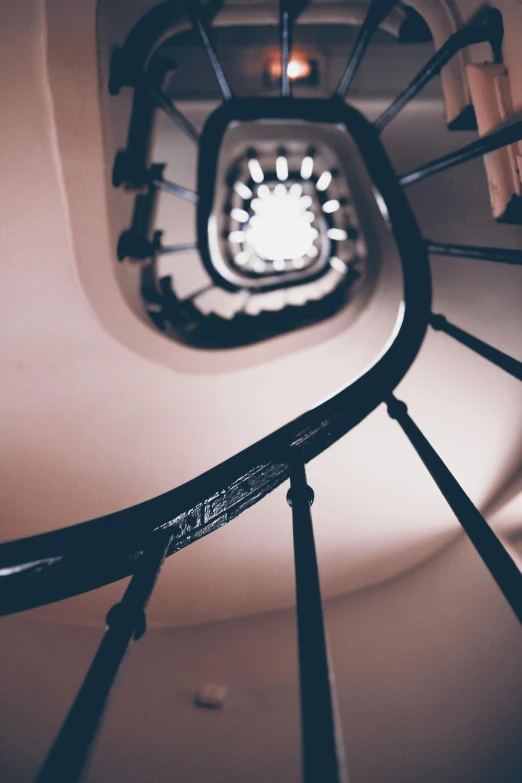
<point x="285" y="34"/>
<point x="492" y="141"/>
<point x="376" y="14"/>
<point x="491" y="31"/>
<point x="322" y="746"/>
<point x="201" y="26"/>
<point x="493" y="355"/>
<point x="126" y="621"/>
<point x="498" y="255"/>
<point x="496" y="558"/>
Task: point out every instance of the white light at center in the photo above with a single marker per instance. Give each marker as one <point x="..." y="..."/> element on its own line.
<point x="282" y="168"/>
<point x="281" y="226"/>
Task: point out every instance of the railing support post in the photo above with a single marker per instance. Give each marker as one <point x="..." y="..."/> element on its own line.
<point x="323" y="755"/>
<point x="497" y="559"/>
<point x="126" y="621"/>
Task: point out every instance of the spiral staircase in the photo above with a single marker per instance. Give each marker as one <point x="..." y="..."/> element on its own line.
<point x="288" y="154"/>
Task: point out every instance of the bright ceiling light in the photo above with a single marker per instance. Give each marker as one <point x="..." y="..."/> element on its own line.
<point x="240" y="215"/>
<point x="242" y="258"/>
<point x="281" y="229"/>
<point x="307" y="167"/>
<point x="324" y="180"/>
<point x="263" y="191"/>
<point x="256" y="172"/>
<point x="338" y="265"/>
<point x="237" y="237"/>
<point x="282" y="168"/>
<point x="242" y="190"/>
<point x="298" y="68"/>
<point x="331" y="206"/>
<point x="339" y="234"/>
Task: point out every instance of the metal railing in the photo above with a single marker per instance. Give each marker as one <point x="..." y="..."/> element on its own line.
<point x="50" y="567"/>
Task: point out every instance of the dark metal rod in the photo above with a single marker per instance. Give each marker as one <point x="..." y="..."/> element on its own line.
<point x="323" y="755"/>
<point x="201" y="27"/>
<point x="174" y="249"/>
<point x="497" y="254"/>
<point x="177" y="190"/>
<point x="496" y="558"/>
<point x="490" y="31"/>
<point x="493" y="141"/>
<point x="285" y="32"/>
<point x="126" y="621"/>
<point x="377" y="13"/>
<point x="197" y="293"/>
<point x="174" y="113"/>
<point x="502" y="360"/>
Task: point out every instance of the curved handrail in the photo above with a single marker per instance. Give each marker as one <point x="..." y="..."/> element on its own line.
<point x="55" y="565"/>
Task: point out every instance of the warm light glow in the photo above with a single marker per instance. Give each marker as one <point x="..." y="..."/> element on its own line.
<point x="256" y="172"/>
<point x="281" y="228"/>
<point x="338" y="234"/>
<point x="298" y="68"/>
<point x="324" y="180"/>
<point x="240" y="215"/>
<point x="331" y="206"/>
<point x="307" y="167"/>
<point x="282" y="168"/>
<point x="242" y="190"/>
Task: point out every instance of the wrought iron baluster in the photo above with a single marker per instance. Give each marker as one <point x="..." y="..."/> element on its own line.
<point x="377" y="13"/>
<point x="501" y="359"/>
<point x="498" y="255"/>
<point x="498" y="561"/>
<point x="164" y="250"/>
<point x="174" y="113"/>
<point x="488" y="143"/>
<point x="126" y="621"/>
<point x="201" y="26"/>
<point x="176" y="190"/>
<point x="285" y="34"/>
<point x="491" y="31"/>
<point x="322" y="748"/>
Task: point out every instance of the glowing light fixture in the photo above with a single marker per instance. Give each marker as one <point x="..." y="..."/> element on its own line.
<point x="263" y="191"/>
<point x="296" y="189"/>
<point x="240" y="215"/>
<point x="279" y="264"/>
<point x="280" y="228"/>
<point x="282" y="168"/>
<point x="324" y="180"/>
<point x="339" y="234"/>
<point x="298" y="68"/>
<point x="307" y="167"/>
<point x="243" y="190"/>
<point x="242" y="258"/>
<point x="331" y="206"/>
<point x="237" y="237"/>
<point x="256" y="172"/>
<point x="338" y="265"/>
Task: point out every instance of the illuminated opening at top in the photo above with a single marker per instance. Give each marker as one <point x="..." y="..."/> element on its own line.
<point x="281" y="226"/>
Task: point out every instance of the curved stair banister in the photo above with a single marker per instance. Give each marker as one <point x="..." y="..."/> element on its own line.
<point x="135" y="541"/>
